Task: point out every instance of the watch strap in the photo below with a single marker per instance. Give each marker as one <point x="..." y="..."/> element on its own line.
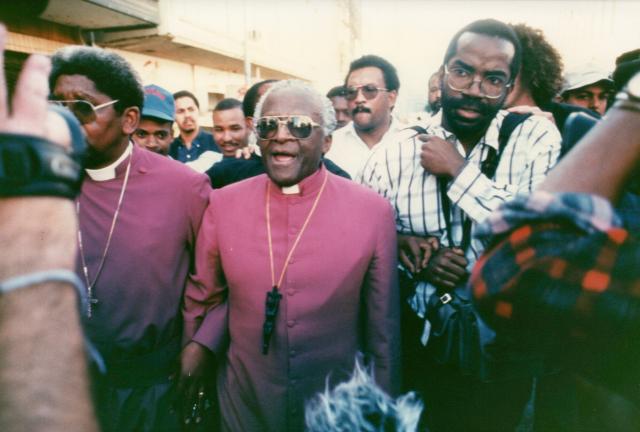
<point x="33" y="166"/>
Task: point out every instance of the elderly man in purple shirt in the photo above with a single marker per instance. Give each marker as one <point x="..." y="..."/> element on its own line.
<point x="305" y="261"/>
<point x="138" y="215"/>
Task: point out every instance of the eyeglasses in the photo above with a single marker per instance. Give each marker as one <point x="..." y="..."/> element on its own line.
<point x="84" y="110"/>
<point x="491" y="86"/>
<point x="369" y="91"/>
<point x="299" y="126"/>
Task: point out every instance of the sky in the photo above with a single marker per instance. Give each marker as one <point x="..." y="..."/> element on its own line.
<point x="413" y="34"/>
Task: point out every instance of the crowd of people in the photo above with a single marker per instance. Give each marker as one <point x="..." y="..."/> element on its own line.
<point x="314" y="257"/>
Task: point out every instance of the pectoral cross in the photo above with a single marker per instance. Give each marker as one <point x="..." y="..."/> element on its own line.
<point x="91" y="300"/>
<point x="271" y="311"/>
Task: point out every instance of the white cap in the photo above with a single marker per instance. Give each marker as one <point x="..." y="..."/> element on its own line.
<point x="584" y="76"/>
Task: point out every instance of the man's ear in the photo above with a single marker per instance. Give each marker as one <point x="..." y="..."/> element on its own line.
<point x="326" y="144"/>
<point x="249" y="122"/>
<point x="130" y="120"/>
<point x="392" y="95"/>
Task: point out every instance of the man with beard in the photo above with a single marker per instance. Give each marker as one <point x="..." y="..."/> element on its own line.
<point x="441" y="188"/>
<point x="372" y="86"/>
<point x="134" y="263"/>
<point x="307" y="288"/>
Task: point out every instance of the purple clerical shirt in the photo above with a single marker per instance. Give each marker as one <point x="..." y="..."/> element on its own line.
<point x="141" y="286"/>
<point x="340" y="295"/>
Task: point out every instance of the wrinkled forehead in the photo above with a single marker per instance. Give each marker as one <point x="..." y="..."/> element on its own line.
<point x="288" y="101"/>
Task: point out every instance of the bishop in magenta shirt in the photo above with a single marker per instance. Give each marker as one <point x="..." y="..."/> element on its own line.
<point x="339" y="295"/>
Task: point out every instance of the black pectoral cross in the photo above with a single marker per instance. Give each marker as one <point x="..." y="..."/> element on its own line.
<point x="270" y="312"/>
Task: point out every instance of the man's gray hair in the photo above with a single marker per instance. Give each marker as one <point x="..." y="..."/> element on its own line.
<point x="327" y="112"/>
<point x="359" y="405"/>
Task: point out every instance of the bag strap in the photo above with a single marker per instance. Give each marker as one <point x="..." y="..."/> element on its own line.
<point x="419" y="129"/>
<point x="487" y="167"/>
<point x="509" y="124"/>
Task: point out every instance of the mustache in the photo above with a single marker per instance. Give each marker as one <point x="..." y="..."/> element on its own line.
<point x="469" y="103"/>
<point x="360" y="109"/>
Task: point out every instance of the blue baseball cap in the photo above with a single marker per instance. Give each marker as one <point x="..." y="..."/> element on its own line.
<point x="158" y="103"/>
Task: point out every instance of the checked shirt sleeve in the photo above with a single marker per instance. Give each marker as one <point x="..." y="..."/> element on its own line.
<point x="562" y="278"/>
<point x="531" y="152"/>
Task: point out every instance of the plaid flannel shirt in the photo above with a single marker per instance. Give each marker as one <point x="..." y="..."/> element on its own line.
<point x="563" y="277"/>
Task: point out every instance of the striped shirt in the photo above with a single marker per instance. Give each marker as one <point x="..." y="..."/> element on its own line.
<point x="350" y="153"/>
<point x="394" y="171"/>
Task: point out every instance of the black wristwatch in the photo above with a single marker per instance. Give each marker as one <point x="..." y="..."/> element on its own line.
<point x="33" y="166"/>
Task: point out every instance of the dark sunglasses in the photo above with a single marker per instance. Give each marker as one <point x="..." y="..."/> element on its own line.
<point x="369" y="91"/>
<point x="84" y="110"/>
<point x="299" y="126"/>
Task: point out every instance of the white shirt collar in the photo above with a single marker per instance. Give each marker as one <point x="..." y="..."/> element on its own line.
<point x="109" y="172"/>
<point x="291" y="190"/>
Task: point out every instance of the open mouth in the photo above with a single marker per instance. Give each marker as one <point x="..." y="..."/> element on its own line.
<point x="283" y="158"/>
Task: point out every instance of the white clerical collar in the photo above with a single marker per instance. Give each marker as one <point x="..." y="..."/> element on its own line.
<point x="291" y="190"/>
<point x="109" y="172"/>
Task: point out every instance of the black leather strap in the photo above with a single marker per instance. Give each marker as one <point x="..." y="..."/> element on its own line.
<point x="33" y="166"/>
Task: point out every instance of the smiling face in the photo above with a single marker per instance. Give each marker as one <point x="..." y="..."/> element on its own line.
<point x="468" y="112"/>
<point x="230" y="130"/>
<point x="287" y="159"/>
<point x="108" y="133"/>
<point x="370" y="114"/>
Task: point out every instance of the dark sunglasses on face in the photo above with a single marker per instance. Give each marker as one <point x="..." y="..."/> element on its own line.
<point x="299" y="126"/>
<point x="369" y="91"/>
<point x="84" y="110"/>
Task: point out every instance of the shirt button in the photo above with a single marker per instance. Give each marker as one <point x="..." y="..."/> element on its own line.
<point x="291" y="323"/>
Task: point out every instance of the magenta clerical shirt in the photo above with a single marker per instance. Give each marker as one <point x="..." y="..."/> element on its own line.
<point x="142" y="283"/>
<point x="340" y="295"/>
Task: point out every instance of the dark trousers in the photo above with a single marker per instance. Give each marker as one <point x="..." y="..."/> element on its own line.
<point x="454" y="402"/>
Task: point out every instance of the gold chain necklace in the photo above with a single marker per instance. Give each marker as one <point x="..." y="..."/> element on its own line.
<point x="273" y="296"/>
<point x="91" y="300"/>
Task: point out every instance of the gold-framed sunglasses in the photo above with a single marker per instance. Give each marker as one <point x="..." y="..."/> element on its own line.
<point x="84" y="111"/>
<point x="299" y="126"/>
<point x="369" y="91"/>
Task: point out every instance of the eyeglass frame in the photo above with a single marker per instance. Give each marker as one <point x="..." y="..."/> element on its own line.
<point x="281" y="121"/>
<point x="94" y="108"/>
<point x="508" y="84"/>
<point x="359" y="89"/>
